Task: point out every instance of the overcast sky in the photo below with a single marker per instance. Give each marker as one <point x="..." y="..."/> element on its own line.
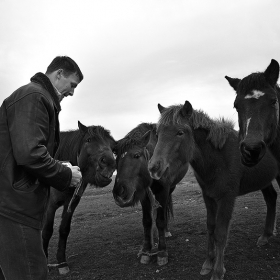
<point x="136" y="54"/>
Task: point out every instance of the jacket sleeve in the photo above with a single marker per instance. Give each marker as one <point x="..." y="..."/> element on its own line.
<point x="29" y="121"/>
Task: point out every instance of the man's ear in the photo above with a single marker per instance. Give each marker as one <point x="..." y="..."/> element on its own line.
<point x="234" y="82"/>
<point x="59" y="73"/>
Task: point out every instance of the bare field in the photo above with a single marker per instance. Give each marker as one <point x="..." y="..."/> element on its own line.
<point x="104" y="240"/>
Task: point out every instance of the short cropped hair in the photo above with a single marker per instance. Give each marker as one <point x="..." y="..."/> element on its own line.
<point x="68" y="65"/>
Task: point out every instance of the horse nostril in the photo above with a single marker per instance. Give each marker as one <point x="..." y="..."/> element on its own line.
<point x="119" y="191"/>
<point x="155" y="167"/>
<point x="244" y="149"/>
<point x="254" y="152"/>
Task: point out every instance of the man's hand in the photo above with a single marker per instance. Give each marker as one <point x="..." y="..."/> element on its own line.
<point x="76" y="174"/>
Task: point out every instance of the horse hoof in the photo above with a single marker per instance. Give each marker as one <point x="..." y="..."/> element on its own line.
<point x="262" y="241"/>
<point x="205" y="271"/>
<point x="216" y="277"/>
<point x="63" y="270"/>
<point x="162" y="258"/>
<point x="145" y="259"/>
<point x="206" y="267"/>
<point x="168" y="234"/>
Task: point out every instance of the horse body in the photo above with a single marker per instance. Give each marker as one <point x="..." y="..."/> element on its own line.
<point x="90" y="148"/>
<point x="257" y="104"/>
<point x="212" y="148"/>
<point x="133" y="184"/>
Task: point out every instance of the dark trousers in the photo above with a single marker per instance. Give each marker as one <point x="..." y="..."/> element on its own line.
<point x="21" y="252"/>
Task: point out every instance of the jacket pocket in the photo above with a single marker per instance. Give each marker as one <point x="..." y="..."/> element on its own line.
<point x="26" y="185"/>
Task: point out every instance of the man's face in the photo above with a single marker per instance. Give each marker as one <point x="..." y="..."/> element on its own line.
<point x="66" y="85"/>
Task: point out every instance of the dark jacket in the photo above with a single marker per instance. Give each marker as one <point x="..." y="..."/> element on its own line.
<point x="29" y="138"/>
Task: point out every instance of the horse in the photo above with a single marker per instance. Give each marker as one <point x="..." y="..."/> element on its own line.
<point x="133" y="184"/>
<point x="211" y="147"/>
<point x="257" y="104"/>
<point x="90" y="148"/>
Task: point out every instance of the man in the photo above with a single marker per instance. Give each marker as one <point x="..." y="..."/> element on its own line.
<point x="29" y="138"/>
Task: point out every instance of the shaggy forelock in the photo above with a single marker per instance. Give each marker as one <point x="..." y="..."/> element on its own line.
<point x="133" y="138"/>
<point x="254" y="81"/>
<point x="171" y="116"/>
<point x="100" y="132"/>
<point x="218" y="129"/>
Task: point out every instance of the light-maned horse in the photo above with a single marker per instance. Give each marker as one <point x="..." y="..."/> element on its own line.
<point x="211" y="147"/>
<point x="133" y="184"/>
<point x="91" y="148"/>
<point x="257" y="104"/>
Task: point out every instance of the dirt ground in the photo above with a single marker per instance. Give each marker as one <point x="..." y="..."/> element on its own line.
<point x="104" y="240"/>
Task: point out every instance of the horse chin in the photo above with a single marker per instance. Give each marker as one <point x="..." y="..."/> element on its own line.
<point x="102" y="181"/>
<point x="159" y="173"/>
<point x="125" y="203"/>
<point x="249" y="163"/>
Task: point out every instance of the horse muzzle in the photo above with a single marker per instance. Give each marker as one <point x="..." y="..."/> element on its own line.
<point x="156" y="169"/>
<point x="103" y="178"/>
<point x="252" y="154"/>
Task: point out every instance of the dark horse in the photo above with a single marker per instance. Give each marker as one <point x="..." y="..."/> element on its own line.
<point x="133" y="184"/>
<point x="91" y="148"/>
<point x="211" y="147"/>
<point x="257" y="104"/>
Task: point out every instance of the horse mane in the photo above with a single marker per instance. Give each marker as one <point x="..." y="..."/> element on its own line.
<point x="218" y="129"/>
<point x="71" y="141"/>
<point x="100" y="132"/>
<point x="254" y="81"/>
<point x="133" y="138"/>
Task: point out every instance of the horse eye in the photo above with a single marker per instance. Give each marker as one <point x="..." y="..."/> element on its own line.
<point x="88" y="140"/>
<point x="137" y="155"/>
<point x="180" y="132"/>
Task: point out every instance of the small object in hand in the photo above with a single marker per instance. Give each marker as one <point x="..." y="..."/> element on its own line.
<point x="67" y="163"/>
<point x="75" y="195"/>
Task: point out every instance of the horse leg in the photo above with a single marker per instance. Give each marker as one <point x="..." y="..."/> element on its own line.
<point x="161" y="222"/>
<point x="270" y="197"/>
<point x="48" y="226"/>
<point x="170" y="213"/>
<point x="147" y="222"/>
<point x="224" y="214"/>
<point x="64" y="231"/>
<point x="211" y="208"/>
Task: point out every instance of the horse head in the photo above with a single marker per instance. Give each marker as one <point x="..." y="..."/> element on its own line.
<point x="95" y="156"/>
<point x="257" y="106"/>
<point x="175" y="143"/>
<point x="133" y="178"/>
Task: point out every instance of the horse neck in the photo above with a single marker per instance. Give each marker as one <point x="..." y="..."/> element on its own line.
<point x="69" y="146"/>
<point x="274" y="146"/>
<point x="203" y="152"/>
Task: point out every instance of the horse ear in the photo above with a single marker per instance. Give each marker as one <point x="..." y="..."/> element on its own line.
<point x="82" y="127"/>
<point x="187" y="110"/>
<point x="234" y="82"/>
<point x="272" y="72"/>
<point x="160" y="108"/>
<point x="145" y="138"/>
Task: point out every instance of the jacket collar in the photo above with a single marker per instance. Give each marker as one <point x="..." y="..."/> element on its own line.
<point x="45" y="82"/>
